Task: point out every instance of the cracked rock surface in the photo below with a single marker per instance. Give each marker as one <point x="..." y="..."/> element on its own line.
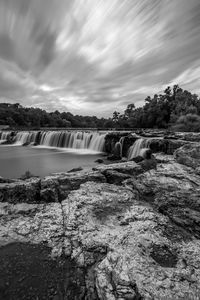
<point x="137" y="237"/>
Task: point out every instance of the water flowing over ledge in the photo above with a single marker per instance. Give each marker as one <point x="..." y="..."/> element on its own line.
<point x="136" y="148"/>
<point x="93" y="141"/>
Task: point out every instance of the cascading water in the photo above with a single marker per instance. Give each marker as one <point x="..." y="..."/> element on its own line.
<point x="4" y="136"/>
<point x="93" y="141"/>
<point x="121" y="141"/>
<point x="135" y="149"/>
<point x="25" y="137"/>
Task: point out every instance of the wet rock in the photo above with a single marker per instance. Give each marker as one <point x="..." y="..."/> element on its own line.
<point x="112" y="157"/>
<point x="75" y="170"/>
<point x="30" y="273"/>
<point x="99" y="161"/>
<point x="137" y="159"/>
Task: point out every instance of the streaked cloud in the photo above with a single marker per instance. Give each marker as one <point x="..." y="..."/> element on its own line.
<point x="96" y="56"/>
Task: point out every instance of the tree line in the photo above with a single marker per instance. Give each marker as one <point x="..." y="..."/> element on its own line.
<point x="175" y="108"/>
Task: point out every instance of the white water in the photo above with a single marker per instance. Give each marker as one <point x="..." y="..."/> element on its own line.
<point x="92" y="141"/>
<point x="136" y="148"/>
<point x="4" y="136"/>
<point x="25" y="137"/>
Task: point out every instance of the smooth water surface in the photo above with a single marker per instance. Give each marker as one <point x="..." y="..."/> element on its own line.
<point x="16" y="160"/>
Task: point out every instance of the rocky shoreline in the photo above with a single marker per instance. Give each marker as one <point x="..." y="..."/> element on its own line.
<point x="114" y="232"/>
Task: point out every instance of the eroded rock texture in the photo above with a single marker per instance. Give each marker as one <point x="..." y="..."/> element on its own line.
<point x="125" y="233"/>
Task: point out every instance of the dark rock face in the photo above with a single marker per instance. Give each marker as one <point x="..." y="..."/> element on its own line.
<point x="156" y="142"/>
<point x="28" y="272"/>
<point x="112" y="138"/>
<point x="99" y="161"/>
<point x="164" y="256"/>
<point x="148" y="164"/>
<point x="20" y="191"/>
<point x="115" y="177"/>
<point x="50" y="189"/>
<point x="167" y="146"/>
<point x="75" y="170"/>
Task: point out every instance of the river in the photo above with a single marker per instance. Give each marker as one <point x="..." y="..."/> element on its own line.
<point x="16" y="160"/>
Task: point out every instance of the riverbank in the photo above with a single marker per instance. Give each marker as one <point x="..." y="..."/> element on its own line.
<point x="129" y="233"/>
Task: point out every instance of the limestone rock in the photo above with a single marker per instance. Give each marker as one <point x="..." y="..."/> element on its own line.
<point x="115" y="177"/>
<point x="34" y="223"/>
<point x="189" y="155"/>
<point x="128" y="167"/>
<point x="72" y="181"/>
<point x="147" y="256"/>
<point x="138" y="240"/>
<point x="20" y="191"/>
<point x="57" y="187"/>
<point x="175" y="191"/>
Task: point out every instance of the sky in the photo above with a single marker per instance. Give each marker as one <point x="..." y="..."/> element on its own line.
<point x="93" y="57"/>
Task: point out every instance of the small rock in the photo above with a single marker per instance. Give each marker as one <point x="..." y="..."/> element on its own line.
<point x="99" y="161"/>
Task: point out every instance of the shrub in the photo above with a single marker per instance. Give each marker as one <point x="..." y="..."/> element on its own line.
<point x="189" y="122"/>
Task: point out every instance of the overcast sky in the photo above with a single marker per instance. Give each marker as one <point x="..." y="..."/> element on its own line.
<point x="92" y="57"/>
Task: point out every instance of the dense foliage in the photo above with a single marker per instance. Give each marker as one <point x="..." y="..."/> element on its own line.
<point x="17" y="116"/>
<point x="175" y="108"/>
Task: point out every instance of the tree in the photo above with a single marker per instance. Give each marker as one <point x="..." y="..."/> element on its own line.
<point x="189" y="122"/>
<point x="115" y="117"/>
<point x="129" y="110"/>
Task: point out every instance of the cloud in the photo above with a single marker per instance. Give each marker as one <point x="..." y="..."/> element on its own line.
<point x="96" y="56"/>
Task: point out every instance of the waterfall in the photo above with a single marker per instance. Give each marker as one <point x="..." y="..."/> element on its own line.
<point x="93" y="141"/>
<point x="135" y="149"/>
<point x="25" y="137"/>
<point x="122" y="144"/>
<point x="4" y="136"/>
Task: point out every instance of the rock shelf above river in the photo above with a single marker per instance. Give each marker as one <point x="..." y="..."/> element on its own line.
<point x="126" y="233"/>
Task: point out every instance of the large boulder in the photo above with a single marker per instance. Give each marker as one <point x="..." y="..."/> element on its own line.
<point x="138" y="253"/>
<point x="167" y="146"/>
<point x="189" y="155"/>
<point x="174" y="190"/>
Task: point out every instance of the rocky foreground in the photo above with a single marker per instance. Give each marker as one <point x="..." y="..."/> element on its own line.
<point x="116" y="232"/>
